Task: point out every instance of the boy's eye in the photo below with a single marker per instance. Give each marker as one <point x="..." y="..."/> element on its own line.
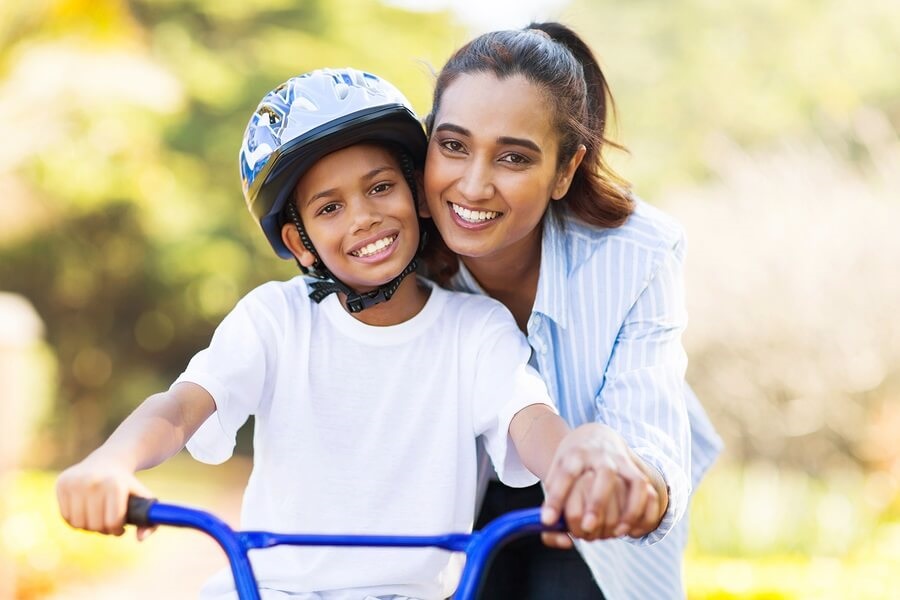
<point x="380" y="188"/>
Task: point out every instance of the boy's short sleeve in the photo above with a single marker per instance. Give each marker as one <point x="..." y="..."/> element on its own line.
<point x="233" y="369"/>
<point x="504" y="385"/>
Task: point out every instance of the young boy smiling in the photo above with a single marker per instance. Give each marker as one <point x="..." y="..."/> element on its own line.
<point x="368" y="384"/>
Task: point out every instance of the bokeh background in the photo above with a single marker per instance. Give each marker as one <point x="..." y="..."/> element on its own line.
<point x="769" y="129"/>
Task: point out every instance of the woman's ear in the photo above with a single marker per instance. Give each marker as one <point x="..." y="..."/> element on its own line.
<point x="565" y="176"/>
<point x="420" y="196"/>
<point x="291" y="238"/>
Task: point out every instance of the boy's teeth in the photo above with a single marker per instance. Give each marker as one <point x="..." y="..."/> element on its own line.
<point x="375" y="246"/>
<point x="474" y="216"/>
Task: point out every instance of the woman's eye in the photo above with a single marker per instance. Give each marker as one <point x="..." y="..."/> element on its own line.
<point x="515" y="159"/>
<point x="452" y="145"/>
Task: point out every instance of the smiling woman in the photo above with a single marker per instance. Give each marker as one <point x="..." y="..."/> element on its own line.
<point x="517" y="187"/>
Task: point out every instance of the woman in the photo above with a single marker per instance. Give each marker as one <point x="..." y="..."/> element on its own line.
<point x="517" y="187"/>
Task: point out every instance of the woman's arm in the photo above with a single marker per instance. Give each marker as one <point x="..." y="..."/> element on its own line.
<point x="93" y="494"/>
<point x="589" y="475"/>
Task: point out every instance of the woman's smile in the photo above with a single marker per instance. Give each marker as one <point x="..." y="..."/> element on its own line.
<point x="473" y="217"/>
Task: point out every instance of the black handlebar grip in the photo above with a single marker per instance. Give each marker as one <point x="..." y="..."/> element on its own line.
<point x="138" y="507"/>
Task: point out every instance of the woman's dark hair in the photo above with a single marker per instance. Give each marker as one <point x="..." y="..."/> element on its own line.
<point x="554" y="58"/>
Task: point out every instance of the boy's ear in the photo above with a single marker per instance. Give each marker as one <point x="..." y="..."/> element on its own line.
<point x="420" y="196"/>
<point x="564" y="178"/>
<point x="291" y="238"/>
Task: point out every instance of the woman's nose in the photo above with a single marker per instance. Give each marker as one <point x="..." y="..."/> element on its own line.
<point x="476" y="182"/>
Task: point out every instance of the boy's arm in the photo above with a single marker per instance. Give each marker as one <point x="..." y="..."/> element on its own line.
<point x="93" y="494"/>
<point x="536" y="432"/>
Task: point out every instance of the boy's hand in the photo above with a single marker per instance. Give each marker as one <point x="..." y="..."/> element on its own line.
<point x="603" y="488"/>
<point x="93" y="495"/>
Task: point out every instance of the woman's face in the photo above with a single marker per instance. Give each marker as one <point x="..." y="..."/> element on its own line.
<point x="491" y="169"/>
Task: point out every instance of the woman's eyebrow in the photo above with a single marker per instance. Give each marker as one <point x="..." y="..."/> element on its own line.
<point x="503" y="140"/>
<point x="514" y="141"/>
<point x="454" y="128"/>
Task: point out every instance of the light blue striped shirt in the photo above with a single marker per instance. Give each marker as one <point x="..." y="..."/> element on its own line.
<point x="606" y="333"/>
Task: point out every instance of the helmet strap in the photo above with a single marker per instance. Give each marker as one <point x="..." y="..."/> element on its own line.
<point x="329" y="284"/>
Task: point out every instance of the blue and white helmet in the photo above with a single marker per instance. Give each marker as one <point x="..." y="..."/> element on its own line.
<point x="312" y="115"/>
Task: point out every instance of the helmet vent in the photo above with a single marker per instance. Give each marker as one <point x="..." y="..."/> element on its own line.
<point x="268" y="112"/>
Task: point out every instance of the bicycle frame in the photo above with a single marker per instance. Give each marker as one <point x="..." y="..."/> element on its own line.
<point x="479" y="545"/>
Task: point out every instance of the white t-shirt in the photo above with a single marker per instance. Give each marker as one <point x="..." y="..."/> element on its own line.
<point x="362" y="429"/>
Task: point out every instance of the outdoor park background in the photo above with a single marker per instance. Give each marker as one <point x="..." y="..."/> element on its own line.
<point x="770" y="129"/>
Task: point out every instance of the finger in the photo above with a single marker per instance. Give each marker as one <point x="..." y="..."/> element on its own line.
<point x="611" y="518"/>
<point x="62" y="498"/>
<point x="143" y="532"/>
<point x="650" y="519"/>
<point x="94" y="509"/>
<point x="634" y="508"/>
<point x="598" y="496"/>
<point x="557" y="539"/>
<point x="77" y="515"/>
<point x="574" y="511"/>
<point x="558" y="485"/>
<point x="114" y="515"/>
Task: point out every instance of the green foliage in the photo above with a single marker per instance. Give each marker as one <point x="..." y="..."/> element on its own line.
<point x="127" y="229"/>
<point x="684" y="75"/>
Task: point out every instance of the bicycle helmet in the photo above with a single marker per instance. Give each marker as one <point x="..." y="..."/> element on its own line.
<point x="302" y="120"/>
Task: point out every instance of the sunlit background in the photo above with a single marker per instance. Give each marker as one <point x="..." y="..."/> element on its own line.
<point x="770" y="129"/>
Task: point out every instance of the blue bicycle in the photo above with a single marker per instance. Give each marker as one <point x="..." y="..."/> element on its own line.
<point x="478" y="546"/>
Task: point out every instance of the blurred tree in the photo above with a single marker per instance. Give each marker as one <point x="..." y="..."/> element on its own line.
<point x="123" y="220"/>
<point x="686" y="74"/>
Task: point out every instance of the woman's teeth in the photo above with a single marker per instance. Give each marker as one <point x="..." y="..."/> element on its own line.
<point x="474" y="216"/>
<point x="374" y="247"/>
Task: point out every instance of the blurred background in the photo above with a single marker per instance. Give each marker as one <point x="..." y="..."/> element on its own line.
<point x="769" y="129"/>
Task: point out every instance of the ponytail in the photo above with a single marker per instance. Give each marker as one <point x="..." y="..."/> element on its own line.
<point x="597" y="195"/>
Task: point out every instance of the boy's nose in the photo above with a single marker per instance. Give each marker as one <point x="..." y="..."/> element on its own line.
<point x="365" y="215"/>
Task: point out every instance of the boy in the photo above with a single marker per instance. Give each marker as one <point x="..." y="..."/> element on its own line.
<point x="369" y="387"/>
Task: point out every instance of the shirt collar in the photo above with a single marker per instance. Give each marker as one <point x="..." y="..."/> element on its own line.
<point x="553" y="280"/>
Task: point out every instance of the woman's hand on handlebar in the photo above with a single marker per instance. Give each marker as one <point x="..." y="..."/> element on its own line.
<point x="601" y="487"/>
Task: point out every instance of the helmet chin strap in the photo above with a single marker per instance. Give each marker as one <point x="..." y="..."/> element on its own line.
<point x="356" y="301"/>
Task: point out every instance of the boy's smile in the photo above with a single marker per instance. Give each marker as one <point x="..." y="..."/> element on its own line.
<point x="359" y="213"/>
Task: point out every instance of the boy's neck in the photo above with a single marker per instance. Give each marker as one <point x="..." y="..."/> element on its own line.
<point x="406" y="303"/>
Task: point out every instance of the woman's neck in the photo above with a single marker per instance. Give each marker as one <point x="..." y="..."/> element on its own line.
<point x="405" y="303"/>
<point x="511" y="275"/>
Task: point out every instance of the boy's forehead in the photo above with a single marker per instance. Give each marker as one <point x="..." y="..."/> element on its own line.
<point x="347" y="165"/>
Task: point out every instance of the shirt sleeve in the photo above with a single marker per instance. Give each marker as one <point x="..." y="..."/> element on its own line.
<point x="643" y="394"/>
<point x="504" y="385"/>
<point x="233" y="369"/>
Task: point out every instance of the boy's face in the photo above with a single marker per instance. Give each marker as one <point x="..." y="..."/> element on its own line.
<point x="359" y="214"/>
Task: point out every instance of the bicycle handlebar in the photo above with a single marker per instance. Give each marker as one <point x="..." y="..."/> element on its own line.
<point x="479" y="545"/>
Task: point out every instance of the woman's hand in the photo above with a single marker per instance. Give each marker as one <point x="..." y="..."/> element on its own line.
<point x="93" y="495"/>
<point x="602" y="487"/>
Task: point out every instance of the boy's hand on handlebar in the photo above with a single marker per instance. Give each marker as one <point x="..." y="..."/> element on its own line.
<point x="93" y="495"/>
<point x="603" y="488"/>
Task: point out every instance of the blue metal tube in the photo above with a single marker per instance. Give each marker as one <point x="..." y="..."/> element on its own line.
<point x="478" y="546"/>
<point x="179" y="516"/>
